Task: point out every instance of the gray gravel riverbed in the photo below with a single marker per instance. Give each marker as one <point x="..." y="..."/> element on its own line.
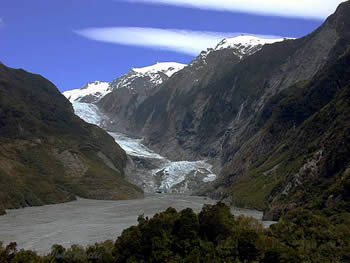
<point x="85" y="221"/>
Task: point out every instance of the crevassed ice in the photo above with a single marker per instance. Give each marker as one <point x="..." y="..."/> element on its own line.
<point x="88" y="112"/>
<point x="176" y="172"/>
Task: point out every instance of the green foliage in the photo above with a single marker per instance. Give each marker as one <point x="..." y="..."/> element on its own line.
<point x="214" y="235"/>
<point x="37" y="124"/>
<point x="305" y="125"/>
<point x="312" y="237"/>
<point x="26" y="256"/>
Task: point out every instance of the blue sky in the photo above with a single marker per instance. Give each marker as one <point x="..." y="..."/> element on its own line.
<point x="71" y="42"/>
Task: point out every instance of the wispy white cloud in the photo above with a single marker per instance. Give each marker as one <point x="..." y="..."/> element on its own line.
<point x="315" y="9"/>
<point x="182" y="41"/>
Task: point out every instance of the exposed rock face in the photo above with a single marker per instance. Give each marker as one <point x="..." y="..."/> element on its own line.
<point x="208" y="105"/>
<point x="73" y="164"/>
<point x="171" y="118"/>
<point x="130" y="90"/>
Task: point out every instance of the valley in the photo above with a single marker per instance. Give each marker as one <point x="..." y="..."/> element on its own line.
<point x="240" y="155"/>
<point x="147" y="169"/>
<point x="84" y="222"/>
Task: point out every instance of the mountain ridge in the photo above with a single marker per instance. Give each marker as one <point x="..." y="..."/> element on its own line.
<point x="94" y="91"/>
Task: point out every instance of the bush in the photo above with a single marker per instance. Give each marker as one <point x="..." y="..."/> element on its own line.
<point x="214" y="235"/>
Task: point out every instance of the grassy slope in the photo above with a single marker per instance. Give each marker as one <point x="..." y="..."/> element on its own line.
<point x="49" y="155"/>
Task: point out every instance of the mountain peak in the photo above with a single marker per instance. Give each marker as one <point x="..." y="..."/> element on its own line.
<point x="168" y="68"/>
<point x="241" y="46"/>
<point x="92" y="91"/>
<point x="245" y="42"/>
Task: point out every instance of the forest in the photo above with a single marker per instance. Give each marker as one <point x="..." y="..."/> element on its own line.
<point x="214" y="235"/>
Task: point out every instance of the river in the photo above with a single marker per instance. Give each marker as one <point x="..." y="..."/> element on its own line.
<point x="85" y="221"/>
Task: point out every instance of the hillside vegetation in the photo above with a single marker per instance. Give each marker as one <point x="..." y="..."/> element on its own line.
<point x="49" y="155"/>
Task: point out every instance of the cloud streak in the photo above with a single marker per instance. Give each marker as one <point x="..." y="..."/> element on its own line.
<point x="181" y="41"/>
<point x="289" y="8"/>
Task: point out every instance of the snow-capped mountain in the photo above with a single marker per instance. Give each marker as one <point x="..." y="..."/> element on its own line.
<point x="242" y="46"/>
<point x="89" y="93"/>
<point x="132" y="89"/>
<point x="150" y="76"/>
<point x="168" y="68"/>
<point x="155" y="75"/>
<point x="245" y="43"/>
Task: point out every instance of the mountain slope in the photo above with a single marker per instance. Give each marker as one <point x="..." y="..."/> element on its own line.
<point x="217" y="114"/>
<point x="203" y="113"/>
<point x="130" y="90"/>
<point x="312" y="163"/>
<point x="49" y="155"/>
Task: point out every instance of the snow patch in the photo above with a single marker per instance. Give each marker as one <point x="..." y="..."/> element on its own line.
<point x="242" y="46"/>
<point x="246" y="42"/>
<point x="97" y="89"/>
<point x="92" y="92"/>
<point x="168" y="68"/>
<point x="152" y="72"/>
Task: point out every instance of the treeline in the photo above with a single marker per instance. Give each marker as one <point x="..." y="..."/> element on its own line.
<point x="214" y="235"/>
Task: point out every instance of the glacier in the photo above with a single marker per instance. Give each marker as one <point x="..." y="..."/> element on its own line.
<point x="169" y="176"/>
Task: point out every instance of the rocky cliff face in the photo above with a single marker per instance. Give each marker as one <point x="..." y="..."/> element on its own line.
<point x="119" y="99"/>
<point x="214" y="107"/>
<point x="207" y="105"/>
<point x="172" y="119"/>
<point x="130" y="90"/>
<point x="49" y="155"/>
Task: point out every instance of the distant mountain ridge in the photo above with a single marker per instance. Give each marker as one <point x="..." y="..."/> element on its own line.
<point x="94" y="91"/>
